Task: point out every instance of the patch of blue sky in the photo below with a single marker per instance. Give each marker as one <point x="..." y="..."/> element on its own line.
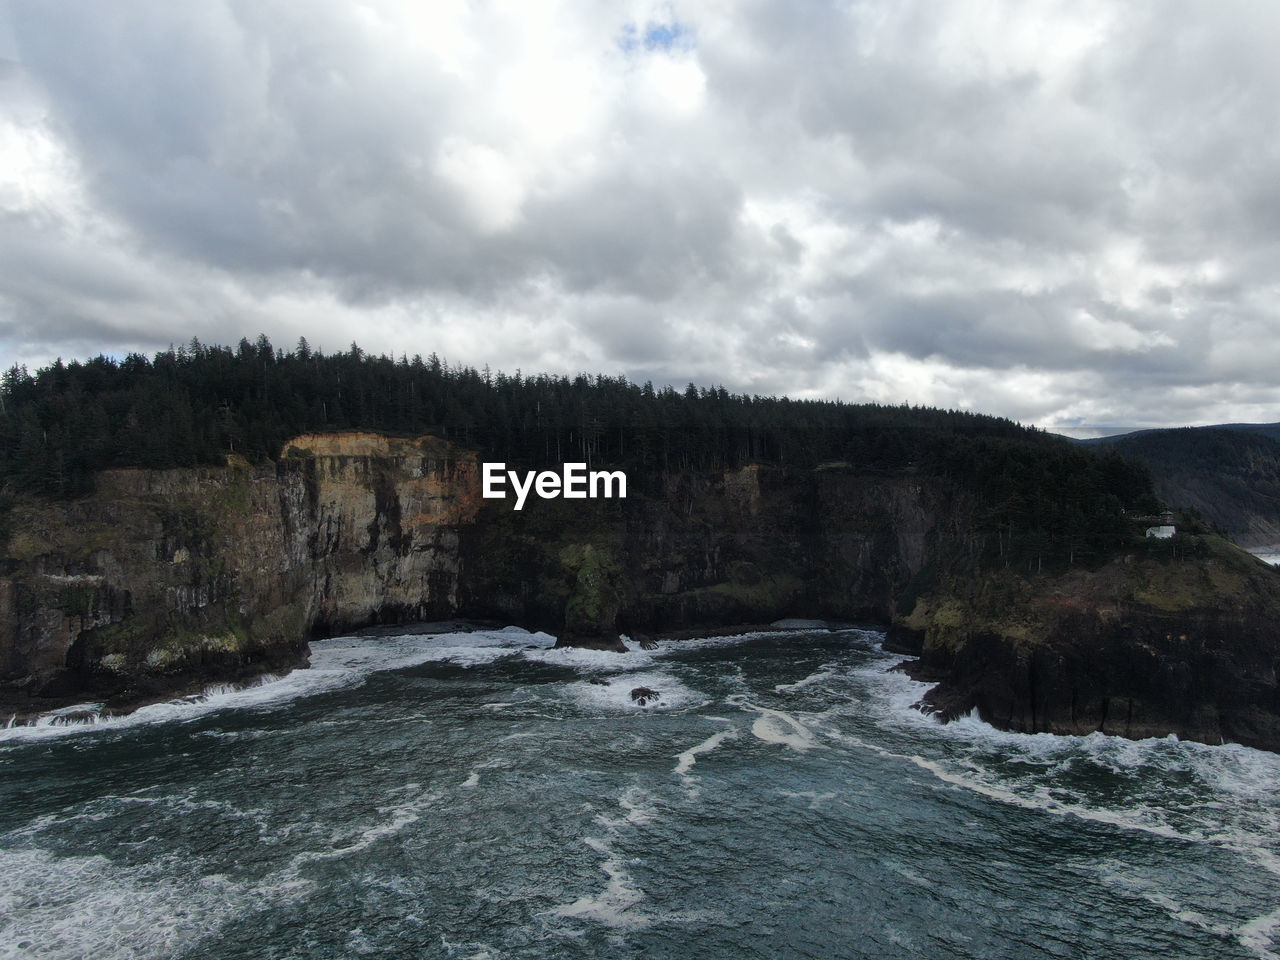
<point x="656" y="36"/>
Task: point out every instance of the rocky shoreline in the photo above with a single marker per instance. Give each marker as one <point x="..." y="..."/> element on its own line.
<point x="163" y="582"/>
<point x="1075" y="677"/>
<point x="162" y="576"/>
<point x="1142" y="647"/>
<point x="108" y="696"/>
<point x="114" y="695"/>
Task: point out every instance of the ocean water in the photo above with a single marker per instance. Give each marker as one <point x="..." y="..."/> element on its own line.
<point x="485" y="796"/>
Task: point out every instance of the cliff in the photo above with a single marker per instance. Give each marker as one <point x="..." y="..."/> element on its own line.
<point x="1175" y="637"/>
<point x="166" y="580"/>
<point x="161" y="581"/>
<point x="742" y="546"/>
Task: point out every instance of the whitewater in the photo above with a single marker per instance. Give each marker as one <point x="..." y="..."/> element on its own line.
<point x="483" y="795"/>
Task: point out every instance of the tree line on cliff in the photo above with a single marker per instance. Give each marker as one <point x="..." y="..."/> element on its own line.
<point x="1043" y="500"/>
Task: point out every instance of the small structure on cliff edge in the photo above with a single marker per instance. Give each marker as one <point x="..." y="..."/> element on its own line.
<point x="1165" y="528"/>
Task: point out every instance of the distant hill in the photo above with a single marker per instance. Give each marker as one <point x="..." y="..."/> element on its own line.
<point x="1230" y="473"/>
<point x="1271" y="430"/>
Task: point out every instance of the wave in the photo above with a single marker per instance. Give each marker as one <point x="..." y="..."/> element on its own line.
<point x="614" y="695"/>
<point x="1214" y="796"/>
<point x="623" y="904"/>
<point x="349" y="661"/>
<point x="687" y="758"/>
<point x="59" y="906"/>
<point x="394" y="818"/>
<point x="268" y="690"/>
<point x="89" y="907"/>
<point x="777" y="727"/>
<point x="337" y="663"/>
<point x="615" y="905"/>
<point x="828" y="671"/>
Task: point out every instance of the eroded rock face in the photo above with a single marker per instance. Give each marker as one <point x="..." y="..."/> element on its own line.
<point x="1138" y="648"/>
<point x="379" y="522"/>
<point x="166" y="578"/>
<point x="746" y="546"/>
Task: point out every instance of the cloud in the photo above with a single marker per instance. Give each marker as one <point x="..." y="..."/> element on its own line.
<point x="1066" y="214"/>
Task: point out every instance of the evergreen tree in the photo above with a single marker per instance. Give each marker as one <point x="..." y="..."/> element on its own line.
<point x="1043" y="500"/>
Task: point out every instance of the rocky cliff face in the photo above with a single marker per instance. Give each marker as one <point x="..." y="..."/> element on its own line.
<point x="1177" y="637"/>
<point x="745" y="546"/>
<point x="165" y="579"/>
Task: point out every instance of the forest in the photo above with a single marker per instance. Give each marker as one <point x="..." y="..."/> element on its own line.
<point x="1229" y="474"/>
<point x="1045" y="500"/>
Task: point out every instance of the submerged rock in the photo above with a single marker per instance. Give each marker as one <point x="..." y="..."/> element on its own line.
<point x="606" y="641"/>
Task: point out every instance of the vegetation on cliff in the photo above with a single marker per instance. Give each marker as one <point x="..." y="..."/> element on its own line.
<point x="1173" y="635"/>
<point x="1044" y="502"/>
<point x="1016" y="560"/>
<point x="741" y="509"/>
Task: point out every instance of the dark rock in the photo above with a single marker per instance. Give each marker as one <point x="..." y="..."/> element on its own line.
<point x="902" y="639"/>
<point x="611" y="642"/>
<point x="642" y="695"/>
<point x="1137" y="648"/>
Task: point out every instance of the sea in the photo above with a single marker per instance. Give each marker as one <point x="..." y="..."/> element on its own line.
<point x="483" y="795"/>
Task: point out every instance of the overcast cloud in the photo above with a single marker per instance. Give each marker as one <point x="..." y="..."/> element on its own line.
<point x="1064" y="213"/>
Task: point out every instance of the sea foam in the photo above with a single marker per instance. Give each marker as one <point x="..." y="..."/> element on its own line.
<point x="614" y="694"/>
<point x="337" y="663"/>
<point x="1161" y="786"/>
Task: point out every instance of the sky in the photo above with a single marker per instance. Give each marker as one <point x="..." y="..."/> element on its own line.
<point x="1063" y="213"/>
